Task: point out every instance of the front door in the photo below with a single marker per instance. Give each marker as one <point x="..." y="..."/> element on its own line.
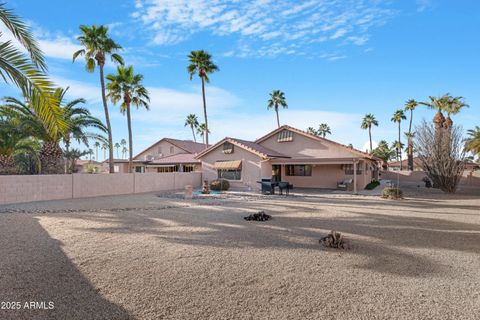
<point x="276" y="173"/>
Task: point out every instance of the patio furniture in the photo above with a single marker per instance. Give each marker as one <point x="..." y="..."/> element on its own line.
<point x="345" y="185"/>
<point x="268" y="187"/>
<point x="284" y="185"/>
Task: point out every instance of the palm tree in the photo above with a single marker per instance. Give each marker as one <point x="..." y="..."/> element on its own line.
<point x="384" y="152"/>
<point x="97" y="46"/>
<point x="126" y="86"/>
<point x="473" y="140"/>
<point x="26" y="72"/>
<point x="323" y="129"/>
<point x="90" y="153"/>
<point x="397" y="117"/>
<point x="439" y="104"/>
<point x="104" y="148"/>
<point x="410" y="105"/>
<point x="453" y="106"/>
<point x="96" y="145"/>
<point x="367" y="123"/>
<point x="11" y="136"/>
<point x="192" y="122"/>
<point x="117" y="146"/>
<point x="201" y="63"/>
<point x="312" y="131"/>
<point x="72" y="156"/>
<point x="26" y="115"/>
<point x="277" y="98"/>
<point x="202" y="131"/>
<point x="123" y="143"/>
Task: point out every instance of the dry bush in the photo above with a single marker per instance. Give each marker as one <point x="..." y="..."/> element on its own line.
<point x="441" y="151"/>
<point x="392" y="193"/>
<point x="335" y="240"/>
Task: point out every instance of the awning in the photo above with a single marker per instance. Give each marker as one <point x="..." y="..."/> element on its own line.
<point x="228" y="165"/>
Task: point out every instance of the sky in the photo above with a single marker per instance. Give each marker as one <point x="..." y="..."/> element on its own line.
<point x="336" y="60"/>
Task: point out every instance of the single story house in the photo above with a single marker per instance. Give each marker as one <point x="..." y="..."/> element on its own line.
<point x="288" y="154"/>
<point x="165" y="155"/>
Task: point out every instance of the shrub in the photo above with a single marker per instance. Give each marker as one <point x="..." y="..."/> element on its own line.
<point x="90" y="168"/>
<point x="220" y="185"/>
<point x="392" y="193"/>
<point x="372" y="185"/>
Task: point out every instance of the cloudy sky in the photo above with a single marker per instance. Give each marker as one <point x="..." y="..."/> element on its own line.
<point x="335" y="60"/>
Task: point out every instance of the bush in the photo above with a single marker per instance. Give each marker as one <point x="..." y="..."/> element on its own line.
<point x="372" y="185"/>
<point x="220" y="185"/>
<point x="392" y="193"/>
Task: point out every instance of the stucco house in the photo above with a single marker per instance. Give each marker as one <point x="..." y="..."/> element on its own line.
<point x="288" y="154"/>
<point x="165" y="155"/>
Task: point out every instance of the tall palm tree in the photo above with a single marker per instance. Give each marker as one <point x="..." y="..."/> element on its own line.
<point x="202" y="131"/>
<point x="473" y="141"/>
<point x="367" y="123"/>
<point x="398" y="145"/>
<point x="117" y="146"/>
<point x="127" y="87"/>
<point x="397" y="117"/>
<point x="410" y="105"/>
<point x="277" y="98"/>
<point x="11" y="137"/>
<point x="201" y="64"/>
<point x="439" y="104"/>
<point x="384" y="152"/>
<point x="104" y="148"/>
<point x="97" y="46"/>
<point x="123" y="143"/>
<point x="312" y="131"/>
<point x="453" y="106"/>
<point x="192" y="122"/>
<point x="323" y="129"/>
<point x="96" y="145"/>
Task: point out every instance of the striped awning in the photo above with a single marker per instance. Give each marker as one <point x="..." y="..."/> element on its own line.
<point x="228" y="165"/>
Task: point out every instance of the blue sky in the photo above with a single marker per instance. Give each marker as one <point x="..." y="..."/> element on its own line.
<point x="335" y="61"/>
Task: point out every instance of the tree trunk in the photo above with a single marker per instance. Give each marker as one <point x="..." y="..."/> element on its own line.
<point x="193" y="134"/>
<point x="278" y="119"/>
<point x="399" y="147"/>
<point x="410" y="143"/>
<point x="130" y="139"/>
<point x="205" y="112"/>
<point x="370" y="137"/>
<point x="51" y="158"/>
<point x="107" y="121"/>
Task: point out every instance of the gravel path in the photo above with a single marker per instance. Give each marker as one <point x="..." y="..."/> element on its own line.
<point x="151" y="257"/>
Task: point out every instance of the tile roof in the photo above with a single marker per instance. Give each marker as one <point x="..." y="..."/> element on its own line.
<point x="249" y="146"/>
<point x="176" y="158"/>
<point x="187" y="145"/>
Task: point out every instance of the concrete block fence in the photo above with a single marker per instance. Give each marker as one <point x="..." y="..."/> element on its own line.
<point x="28" y="188"/>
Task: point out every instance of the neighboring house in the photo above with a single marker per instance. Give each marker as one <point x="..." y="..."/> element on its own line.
<point x="288" y="154"/>
<point x="417" y="165"/>
<point x="165" y="155"/>
<point x="81" y="166"/>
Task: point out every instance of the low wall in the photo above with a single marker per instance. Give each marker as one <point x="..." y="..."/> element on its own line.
<point x="468" y="178"/>
<point x="20" y="188"/>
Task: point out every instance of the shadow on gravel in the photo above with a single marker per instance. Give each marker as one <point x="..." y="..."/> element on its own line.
<point x="33" y="267"/>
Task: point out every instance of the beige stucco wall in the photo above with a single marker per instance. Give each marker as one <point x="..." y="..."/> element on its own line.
<point x="304" y="147"/>
<point x="15" y="189"/>
<point x="469" y="178"/>
<point x="27" y="188"/>
<point x="155" y="152"/>
<point x="323" y="176"/>
<point x="252" y="169"/>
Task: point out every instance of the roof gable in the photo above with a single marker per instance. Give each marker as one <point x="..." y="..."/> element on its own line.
<point x="249" y="146"/>
<point x="316" y="139"/>
<point x="185" y="145"/>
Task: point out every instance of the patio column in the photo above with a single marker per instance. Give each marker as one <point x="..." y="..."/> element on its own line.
<point x="354" y="176"/>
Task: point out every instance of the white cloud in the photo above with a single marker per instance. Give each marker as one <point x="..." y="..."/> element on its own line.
<point x="261" y="22"/>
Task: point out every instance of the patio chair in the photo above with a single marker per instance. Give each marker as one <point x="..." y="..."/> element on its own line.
<point x="284" y="185"/>
<point x="344" y="185"/>
<point x="267" y="186"/>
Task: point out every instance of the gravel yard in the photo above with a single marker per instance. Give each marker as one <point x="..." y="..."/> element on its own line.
<point x="160" y="257"/>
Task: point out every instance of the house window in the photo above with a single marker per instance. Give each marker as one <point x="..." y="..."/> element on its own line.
<point x="167" y="169"/>
<point x="298" y="170"/>
<point x="116" y="169"/>
<point x="140" y="169"/>
<point x="172" y="150"/>
<point x="235" y="174"/>
<point x="285" y="136"/>
<point x="227" y="148"/>
<point x="349" y="169"/>
<point x="188" y="168"/>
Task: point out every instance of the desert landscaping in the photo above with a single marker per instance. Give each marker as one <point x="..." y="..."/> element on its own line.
<point x="159" y="256"/>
